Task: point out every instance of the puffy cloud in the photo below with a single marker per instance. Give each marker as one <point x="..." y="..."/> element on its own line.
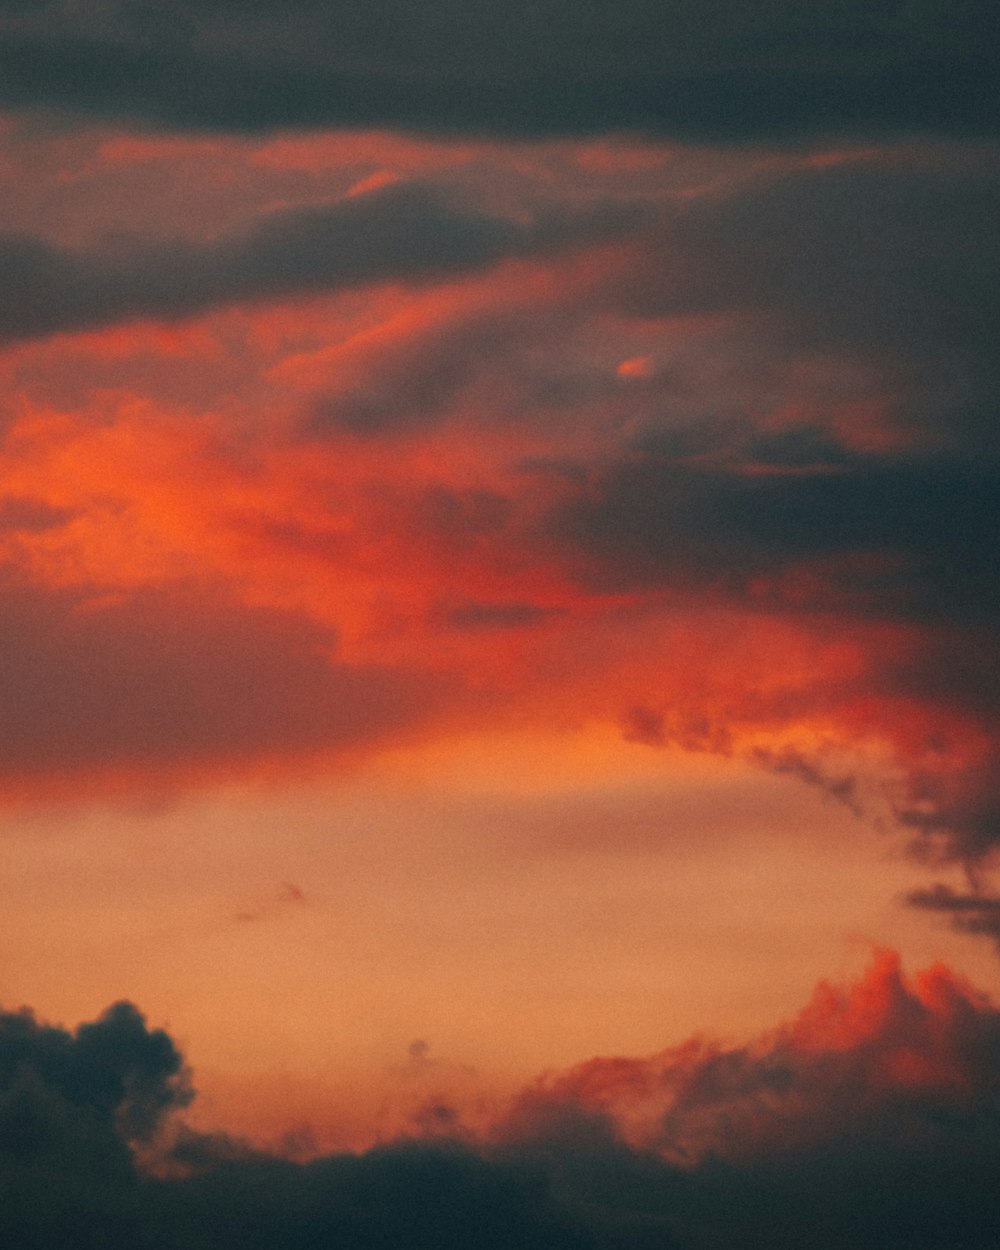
<point x="115" y="1071"/>
<point x="691" y="70"/>
<point x="870" y="1120"/>
<point x="883" y="1064"/>
<point x="70" y="1106"/>
<point x="867" y="1121"/>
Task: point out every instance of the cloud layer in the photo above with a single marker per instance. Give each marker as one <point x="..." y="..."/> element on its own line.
<point x="649" y="385"/>
<point x="871" y="1120"/>
<point x="691" y="71"/>
<point x="402" y="233"/>
<point x="658" y="389"/>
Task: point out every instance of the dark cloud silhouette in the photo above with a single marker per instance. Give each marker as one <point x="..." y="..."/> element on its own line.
<point x="70" y="1106"/>
<point x="872" y="1120"/>
<point x="431" y="1197"/>
<point x="972" y="912"/>
<point x="926" y="527"/>
<point x="115" y="1071"/>
<point x="177" y="676"/>
<point x="721" y="70"/>
<point x="406" y="232"/>
<point x="866" y="1122"/>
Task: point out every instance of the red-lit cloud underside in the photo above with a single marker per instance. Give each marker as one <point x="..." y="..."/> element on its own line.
<point x="701" y="448"/>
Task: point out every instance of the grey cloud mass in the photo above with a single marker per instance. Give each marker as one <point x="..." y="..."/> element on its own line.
<point x="871" y="1122"/>
<point x="406" y="232"/>
<point x="721" y="70"/>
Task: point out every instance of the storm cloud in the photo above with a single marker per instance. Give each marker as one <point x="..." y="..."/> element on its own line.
<point x="687" y="70"/>
<point x="871" y="1121"/>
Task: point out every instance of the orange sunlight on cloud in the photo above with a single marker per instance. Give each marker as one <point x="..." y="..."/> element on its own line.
<point x="466" y="612"/>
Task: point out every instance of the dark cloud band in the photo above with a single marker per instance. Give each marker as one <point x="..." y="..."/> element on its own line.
<point x="724" y="71"/>
<point x="871" y="1121"/>
<point x="405" y="232"/>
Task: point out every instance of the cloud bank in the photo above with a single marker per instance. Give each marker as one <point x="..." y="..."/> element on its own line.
<point x="871" y="1120"/>
<point x="693" y="71"/>
<point x="728" y="422"/>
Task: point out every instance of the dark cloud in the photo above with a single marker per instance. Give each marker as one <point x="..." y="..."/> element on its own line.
<point x="722" y="70"/>
<point x="179" y="676"/>
<point x="70" y="1105"/>
<point x="970" y="913"/>
<point x="870" y="1122"/>
<point x="906" y="542"/>
<point x="926" y="527"/>
<point x="867" y="1122"/>
<point x="644" y="724"/>
<point x="789" y="762"/>
<point x="114" y="1071"/>
<point x="406" y="232"/>
<point x="891" y="262"/>
<point x="880" y="268"/>
<point x="496" y="364"/>
<point x="849" y="511"/>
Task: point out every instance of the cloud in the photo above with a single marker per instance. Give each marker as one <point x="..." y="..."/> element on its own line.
<point x="974" y="912"/>
<point x="474" y="615"/>
<point x="179" y="677"/>
<point x="887" y="259"/>
<point x="886" y="1063"/>
<point x="662" y="519"/>
<point x="868" y="285"/>
<point x="810" y="445"/>
<point x="115" y="1071"/>
<point x="32" y="516"/>
<point x="837" y="471"/>
<point x="871" y="1120"/>
<point x="723" y="72"/>
<point x="443" y="1196"/>
<point x="867" y="1121"/>
<point x="405" y="232"/>
<point x="71" y="1105"/>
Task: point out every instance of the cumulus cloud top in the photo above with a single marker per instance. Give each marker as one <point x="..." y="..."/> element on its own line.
<point x="868" y="1120"/>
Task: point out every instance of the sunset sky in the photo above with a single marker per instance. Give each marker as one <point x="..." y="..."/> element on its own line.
<point x="499" y="527"/>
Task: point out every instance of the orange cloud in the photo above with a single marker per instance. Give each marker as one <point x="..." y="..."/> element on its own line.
<point x="875" y="1061"/>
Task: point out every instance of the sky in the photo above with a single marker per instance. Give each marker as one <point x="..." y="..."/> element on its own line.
<point x="500" y="695"/>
